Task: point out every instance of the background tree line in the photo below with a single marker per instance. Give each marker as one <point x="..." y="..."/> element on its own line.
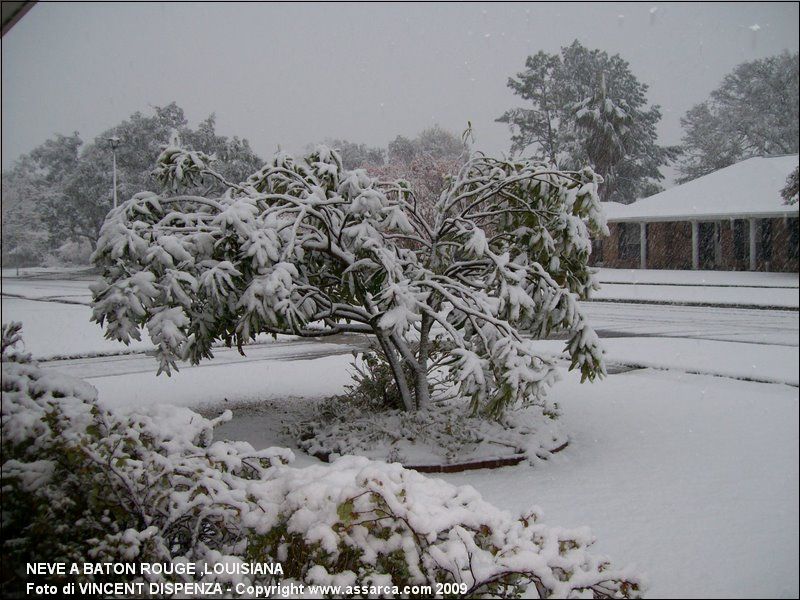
<point x="56" y="197"/>
<point x="582" y="106"/>
<point x="586" y="107"/>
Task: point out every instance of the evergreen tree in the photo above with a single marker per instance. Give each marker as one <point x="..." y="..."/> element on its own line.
<point x="588" y="108"/>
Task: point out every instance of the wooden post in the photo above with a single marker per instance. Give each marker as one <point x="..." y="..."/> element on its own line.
<point x="695" y="245"/>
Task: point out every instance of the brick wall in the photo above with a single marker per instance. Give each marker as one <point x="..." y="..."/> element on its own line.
<point x="669" y="246"/>
<point x="783" y="259"/>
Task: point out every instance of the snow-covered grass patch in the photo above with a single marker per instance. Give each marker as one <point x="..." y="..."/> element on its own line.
<point x="756" y="362"/>
<point x="693" y="477"/>
<point x="55" y="329"/>
<point x="220" y="385"/>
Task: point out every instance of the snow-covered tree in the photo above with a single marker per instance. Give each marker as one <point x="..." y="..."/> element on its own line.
<point x="305" y="247"/>
<point x="23" y="244"/>
<point x="752" y="113"/>
<point x="586" y="107"/>
<point x="433" y="143"/>
<point x="354" y="155"/>
<point x="427" y="176"/>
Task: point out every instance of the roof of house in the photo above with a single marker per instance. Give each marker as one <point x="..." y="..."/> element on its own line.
<point x="751" y="188"/>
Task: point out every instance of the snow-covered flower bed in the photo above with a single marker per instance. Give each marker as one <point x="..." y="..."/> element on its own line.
<point x="82" y="483"/>
<point x="444" y="435"/>
<point x="369" y="420"/>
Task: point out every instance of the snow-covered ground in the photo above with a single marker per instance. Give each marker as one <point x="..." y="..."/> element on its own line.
<point x="70" y="291"/>
<point x="692" y="477"/>
<point x="707" y="278"/>
<point x="699" y="287"/>
<point x="759" y="362"/>
<point x="700" y="295"/>
<point x="56" y="329"/>
<point x="702" y="322"/>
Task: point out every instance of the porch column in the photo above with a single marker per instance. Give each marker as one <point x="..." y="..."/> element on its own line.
<point x="642" y="245"/>
<point x="753" y="249"/>
<point x="695" y="245"/>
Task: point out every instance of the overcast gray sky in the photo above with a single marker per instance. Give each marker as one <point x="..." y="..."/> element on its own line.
<point x="291" y="74"/>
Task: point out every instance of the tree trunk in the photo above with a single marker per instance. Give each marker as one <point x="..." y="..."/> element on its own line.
<point x="422" y="388"/>
<point x="397" y="370"/>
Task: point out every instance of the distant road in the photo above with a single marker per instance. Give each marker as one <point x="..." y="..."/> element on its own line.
<point x="757" y="326"/>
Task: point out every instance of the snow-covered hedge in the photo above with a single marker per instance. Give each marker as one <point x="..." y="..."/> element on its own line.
<point x="83" y="483"/>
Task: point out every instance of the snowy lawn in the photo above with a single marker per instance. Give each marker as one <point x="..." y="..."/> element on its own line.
<point x="53" y="329"/>
<point x="699" y="287"/>
<point x="243" y="382"/>
<point x="694" y="478"/>
<point x="56" y="329"/>
<point x="759" y="362"/>
<point x="76" y="291"/>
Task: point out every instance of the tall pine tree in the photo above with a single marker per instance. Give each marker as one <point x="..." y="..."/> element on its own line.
<point x="589" y="108"/>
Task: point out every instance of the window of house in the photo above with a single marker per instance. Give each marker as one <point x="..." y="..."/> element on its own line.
<point x="794" y="234"/>
<point x="741" y="241"/>
<point x="766" y="240"/>
<point x="628" y="240"/>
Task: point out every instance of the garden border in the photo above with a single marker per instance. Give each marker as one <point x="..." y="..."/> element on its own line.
<point x="483" y="463"/>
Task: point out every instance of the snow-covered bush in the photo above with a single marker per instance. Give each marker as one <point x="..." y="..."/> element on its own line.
<point x="83" y="483"/>
<point x="305" y="247"/>
<point x="791" y="191"/>
<point x="71" y="253"/>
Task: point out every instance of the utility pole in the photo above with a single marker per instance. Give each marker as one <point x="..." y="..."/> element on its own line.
<point x="114" y="141"/>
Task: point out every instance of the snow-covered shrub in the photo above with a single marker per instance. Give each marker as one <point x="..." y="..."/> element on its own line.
<point x="791" y="191"/>
<point x="71" y="253"/>
<point x="305" y="247"/>
<point x="83" y="483"/>
<point x="360" y="522"/>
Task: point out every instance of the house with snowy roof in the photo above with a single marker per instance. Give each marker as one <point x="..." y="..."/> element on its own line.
<point x="732" y="219"/>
